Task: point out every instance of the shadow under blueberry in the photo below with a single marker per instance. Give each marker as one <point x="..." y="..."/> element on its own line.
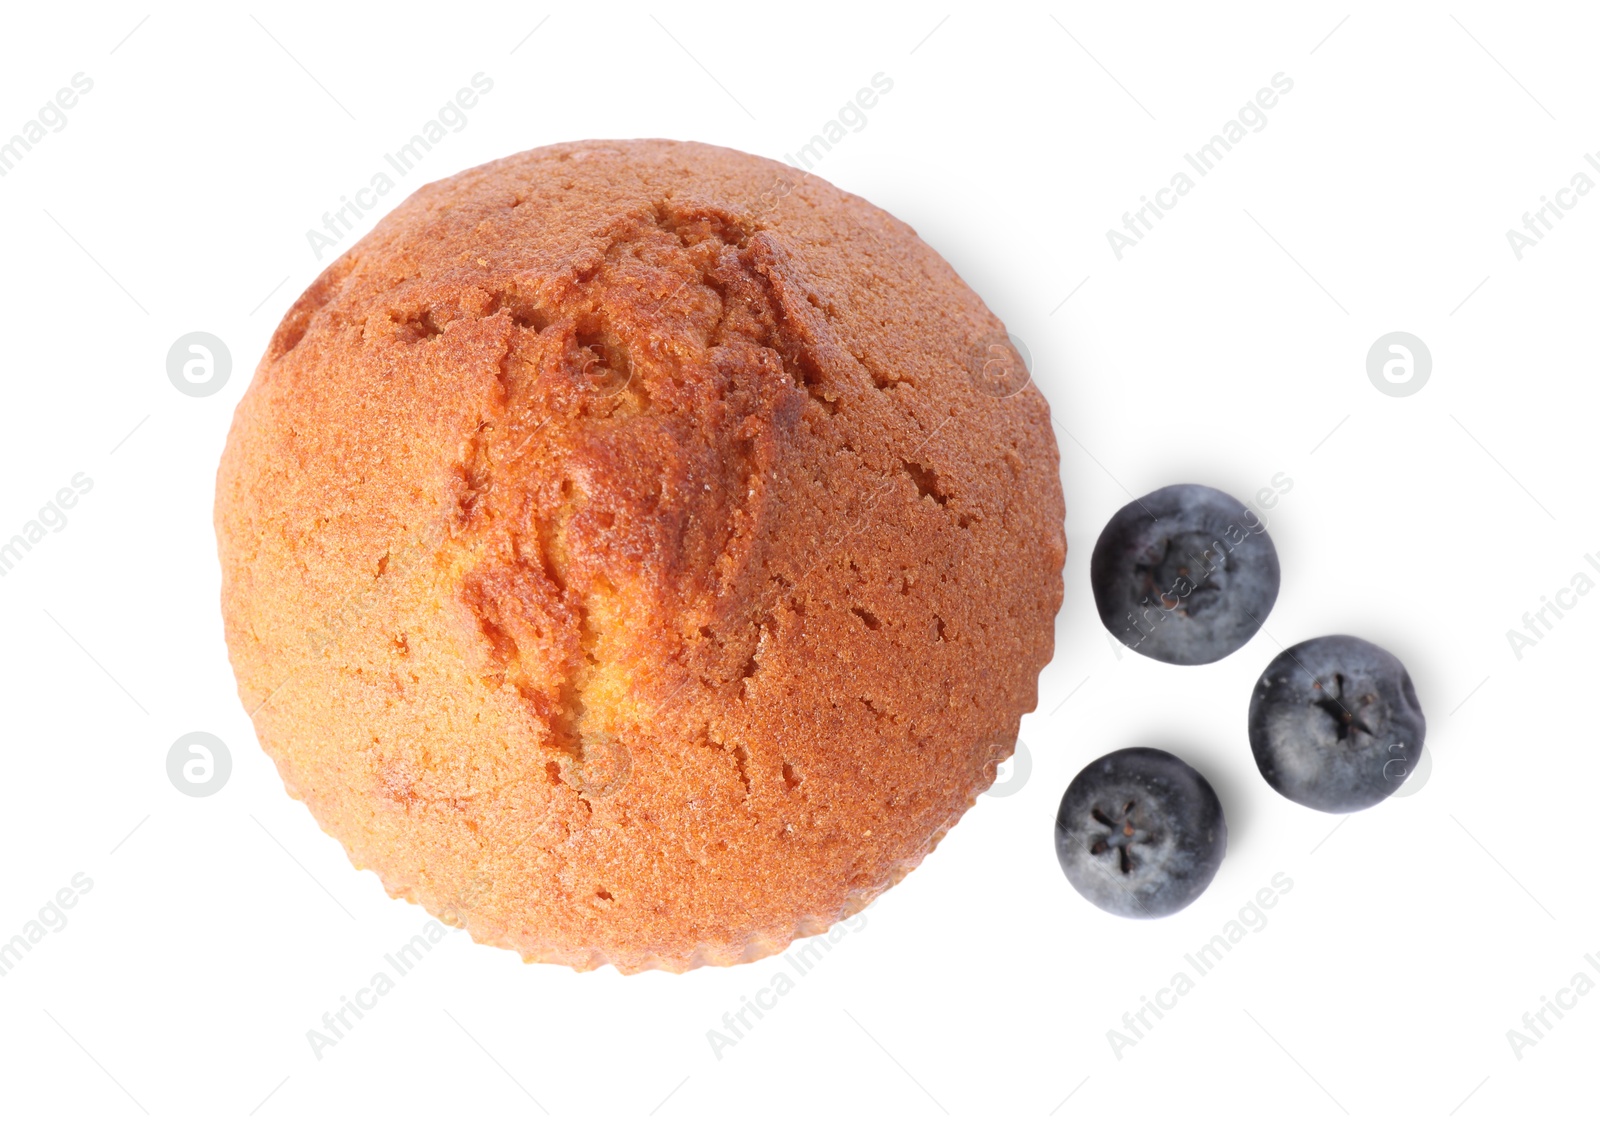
<point x="1231" y="773"/>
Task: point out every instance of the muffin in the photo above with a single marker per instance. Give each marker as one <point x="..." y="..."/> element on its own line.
<point x="627" y="554"/>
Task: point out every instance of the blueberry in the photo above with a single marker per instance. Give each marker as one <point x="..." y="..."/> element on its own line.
<point x="1185" y="574"/>
<point x="1335" y="724"/>
<point x="1140" y="833"/>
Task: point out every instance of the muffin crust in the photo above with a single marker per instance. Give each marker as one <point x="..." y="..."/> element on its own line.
<point x="621" y="559"/>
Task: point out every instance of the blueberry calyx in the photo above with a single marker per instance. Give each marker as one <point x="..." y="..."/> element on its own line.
<point x="1343" y="717"/>
<point x="1121" y="837"/>
<point x="1172" y="584"/>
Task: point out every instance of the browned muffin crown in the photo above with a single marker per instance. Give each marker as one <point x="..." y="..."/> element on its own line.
<point x="621" y="559"/>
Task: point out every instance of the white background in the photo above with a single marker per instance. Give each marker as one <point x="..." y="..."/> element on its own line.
<point x="1227" y="347"/>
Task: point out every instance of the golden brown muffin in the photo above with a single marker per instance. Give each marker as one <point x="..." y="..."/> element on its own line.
<point x="622" y="557"/>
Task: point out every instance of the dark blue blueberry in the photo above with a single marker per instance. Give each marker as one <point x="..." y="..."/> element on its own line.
<point x="1140" y="833"/>
<point x="1335" y="724"/>
<point x="1185" y="574"/>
